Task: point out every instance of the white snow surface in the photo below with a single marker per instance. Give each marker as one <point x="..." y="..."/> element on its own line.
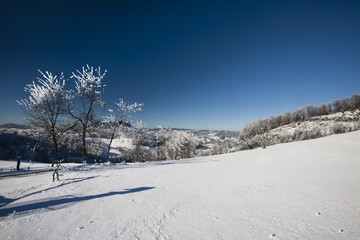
<point x="298" y="190"/>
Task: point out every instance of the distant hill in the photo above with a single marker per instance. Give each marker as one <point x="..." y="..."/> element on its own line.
<point x="222" y="134"/>
<point x="340" y="116"/>
<point x="314" y="127"/>
<point x="14" y="125"/>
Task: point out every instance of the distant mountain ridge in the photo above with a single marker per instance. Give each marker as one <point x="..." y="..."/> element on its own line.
<point x="14" y="125"/>
<point x="202" y="132"/>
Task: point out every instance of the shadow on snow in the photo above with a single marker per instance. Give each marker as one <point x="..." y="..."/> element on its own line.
<point x="5" y="201"/>
<point x="53" y="204"/>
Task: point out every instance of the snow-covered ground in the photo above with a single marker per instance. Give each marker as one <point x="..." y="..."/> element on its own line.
<point x="299" y="190"/>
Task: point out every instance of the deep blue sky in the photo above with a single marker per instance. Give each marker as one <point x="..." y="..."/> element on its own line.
<point x="195" y="64"/>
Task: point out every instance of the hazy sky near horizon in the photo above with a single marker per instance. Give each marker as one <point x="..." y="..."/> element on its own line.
<point x="194" y="64"/>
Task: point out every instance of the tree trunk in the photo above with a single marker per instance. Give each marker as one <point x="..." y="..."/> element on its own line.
<point x="137" y="155"/>
<point x="18" y="164"/>
<point x="84" y="152"/>
<point x="55" y="151"/>
<point x="56" y="158"/>
<point x="56" y="172"/>
<point x="109" y="146"/>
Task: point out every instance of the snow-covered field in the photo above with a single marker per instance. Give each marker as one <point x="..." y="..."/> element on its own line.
<point x="299" y="190"/>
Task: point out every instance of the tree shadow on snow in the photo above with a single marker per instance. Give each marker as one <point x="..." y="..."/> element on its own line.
<point x="5" y="201"/>
<point x="57" y="203"/>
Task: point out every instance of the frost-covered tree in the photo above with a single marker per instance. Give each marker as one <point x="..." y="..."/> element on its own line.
<point x="286" y="118"/>
<point x="89" y="88"/>
<point x="139" y="135"/>
<point x="263" y="126"/>
<point x="323" y="109"/>
<point x="275" y="122"/>
<point x="180" y="145"/>
<point x="341" y="105"/>
<point x="311" y="111"/>
<point x="187" y="145"/>
<point x="160" y="138"/>
<point x="123" y="117"/>
<point x="355" y="102"/>
<point x="299" y="115"/>
<point x="46" y="109"/>
<point x="171" y="144"/>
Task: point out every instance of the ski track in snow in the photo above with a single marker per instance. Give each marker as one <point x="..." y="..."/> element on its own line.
<point x="299" y="190"/>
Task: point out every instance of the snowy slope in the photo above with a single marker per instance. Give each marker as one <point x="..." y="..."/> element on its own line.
<point x="299" y="190"/>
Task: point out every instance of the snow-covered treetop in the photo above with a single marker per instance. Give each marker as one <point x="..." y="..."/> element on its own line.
<point x="125" y="112"/>
<point x="89" y="80"/>
<point x="48" y="89"/>
<point x="138" y="125"/>
<point x="126" y="108"/>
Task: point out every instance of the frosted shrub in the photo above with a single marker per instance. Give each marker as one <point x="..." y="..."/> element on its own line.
<point x="338" y="128"/>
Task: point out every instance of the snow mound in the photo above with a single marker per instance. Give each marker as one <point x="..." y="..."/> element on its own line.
<point x="298" y="190"/>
